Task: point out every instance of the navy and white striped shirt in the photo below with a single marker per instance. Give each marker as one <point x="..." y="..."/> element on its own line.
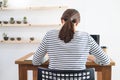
<point x="69" y="56"/>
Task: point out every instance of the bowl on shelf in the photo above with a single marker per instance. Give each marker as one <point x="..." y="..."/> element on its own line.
<point x="5" y="22"/>
<point x="31" y="38"/>
<point x="5" y="38"/>
<point x="18" y="38"/>
<point x="12" y="39"/>
<point x="25" y="22"/>
<point x="0" y="22"/>
<point x="18" y="22"/>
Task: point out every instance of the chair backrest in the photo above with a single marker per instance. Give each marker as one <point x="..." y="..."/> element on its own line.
<point x="51" y="74"/>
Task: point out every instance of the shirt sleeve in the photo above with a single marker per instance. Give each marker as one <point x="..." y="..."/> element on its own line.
<point x="40" y="52"/>
<point x="101" y="57"/>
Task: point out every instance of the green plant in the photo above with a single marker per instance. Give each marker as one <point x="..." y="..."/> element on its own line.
<point x="11" y="18"/>
<point x="25" y="20"/>
<point x="5" y="3"/>
<point x="0" y="3"/>
<point x="4" y="35"/>
<point x="12" y="21"/>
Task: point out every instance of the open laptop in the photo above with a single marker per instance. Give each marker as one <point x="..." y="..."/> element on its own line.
<point x="96" y="38"/>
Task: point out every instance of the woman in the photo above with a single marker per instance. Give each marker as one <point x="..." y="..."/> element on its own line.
<point x="67" y="48"/>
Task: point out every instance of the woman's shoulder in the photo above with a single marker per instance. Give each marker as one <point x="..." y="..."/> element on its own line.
<point x="52" y="32"/>
<point x="82" y="33"/>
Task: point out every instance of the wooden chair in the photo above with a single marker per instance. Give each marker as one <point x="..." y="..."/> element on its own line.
<point x="51" y="74"/>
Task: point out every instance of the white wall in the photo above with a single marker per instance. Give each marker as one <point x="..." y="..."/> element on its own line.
<point x="97" y="16"/>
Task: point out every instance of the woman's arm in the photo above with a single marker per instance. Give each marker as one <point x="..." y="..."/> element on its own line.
<point x="100" y="57"/>
<point x="40" y="52"/>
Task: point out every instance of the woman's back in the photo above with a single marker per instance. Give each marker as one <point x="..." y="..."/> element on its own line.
<point x="67" y="48"/>
<point x="72" y="55"/>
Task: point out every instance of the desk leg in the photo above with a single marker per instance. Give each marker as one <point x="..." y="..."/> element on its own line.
<point x="22" y="72"/>
<point x="34" y="74"/>
<point x="106" y="73"/>
<point x="99" y="75"/>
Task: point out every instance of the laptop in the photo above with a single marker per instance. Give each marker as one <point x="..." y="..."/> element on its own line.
<point x="96" y="38"/>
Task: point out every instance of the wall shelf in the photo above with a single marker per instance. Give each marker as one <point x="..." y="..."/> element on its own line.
<point x="28" y="25"/>
<point x="34" y="8"/>
<point x="12" y="8"/>
<point x="19" y="42"/>
<point x="44" y="25"/>
<point x="12" y="25"/>
<point x="47" y="7"/>
<point x="29" y="8"/>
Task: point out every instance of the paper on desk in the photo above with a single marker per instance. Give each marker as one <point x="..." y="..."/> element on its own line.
<point x="43" y="60"/>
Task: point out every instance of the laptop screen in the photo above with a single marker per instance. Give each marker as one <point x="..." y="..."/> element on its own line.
<point x="96" y="38"/>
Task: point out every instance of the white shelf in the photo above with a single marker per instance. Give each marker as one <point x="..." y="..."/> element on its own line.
<point x="19" y="42"/>
<point x="12" y="8"/>
<point x="13" y="25"/>
<point x="47" y="7"/>
<point x="28" y="25"/>
<point x="44" y="25"/>
<point x="34" y="8"/>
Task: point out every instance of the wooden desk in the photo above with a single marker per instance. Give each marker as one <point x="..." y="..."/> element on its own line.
<point x="103" y="72"/>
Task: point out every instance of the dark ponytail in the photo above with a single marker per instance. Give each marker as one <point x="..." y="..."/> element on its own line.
<point x="70" y="16"/>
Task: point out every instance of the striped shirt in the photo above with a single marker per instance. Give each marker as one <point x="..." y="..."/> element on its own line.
<point x="72" y="55"/>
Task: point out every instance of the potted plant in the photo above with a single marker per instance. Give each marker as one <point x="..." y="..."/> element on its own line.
<point x="5" y="37"/>
<point x="25" y="20"/>
<point x="12" y="21"/>
<point x="5" y="3"/>
<point x="0" y="3"/>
